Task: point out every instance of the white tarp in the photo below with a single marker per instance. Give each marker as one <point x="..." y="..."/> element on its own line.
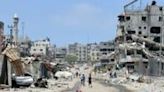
<point x="64" y="74"/>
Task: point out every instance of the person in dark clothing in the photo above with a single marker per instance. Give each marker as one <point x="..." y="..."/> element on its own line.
<point x="90" y="80"/>
<point x="77" y="74"/>
<point x="83" y="80"/>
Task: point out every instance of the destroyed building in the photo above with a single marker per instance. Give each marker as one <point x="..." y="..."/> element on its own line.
<point x="92" y="52"/>
<point x="140" y="39"/>
<point x="40" y="47"/>
<point x="60" y="54"/>
<point x="105" y="49"/>
<point x="24" y="46"/>
<point x="1" y="35"/>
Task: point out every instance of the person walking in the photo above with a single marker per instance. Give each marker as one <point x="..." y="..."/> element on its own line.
<point x="83" y="79"/>
<point x="90" y="80"/>
<point x="77" y="74"/>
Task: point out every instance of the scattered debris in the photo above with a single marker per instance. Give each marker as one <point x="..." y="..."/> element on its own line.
<point x="42" y="83"/>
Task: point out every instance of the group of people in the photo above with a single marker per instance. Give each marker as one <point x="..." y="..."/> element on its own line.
<point x="83" y="79"/>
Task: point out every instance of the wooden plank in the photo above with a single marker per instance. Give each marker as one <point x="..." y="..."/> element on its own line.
<point x="18" y="67"/>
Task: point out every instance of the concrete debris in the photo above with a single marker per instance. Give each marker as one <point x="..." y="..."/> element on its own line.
<point x="134" y="77"/>
<point x="3" y="86"/>
<point x="42" y="83"/>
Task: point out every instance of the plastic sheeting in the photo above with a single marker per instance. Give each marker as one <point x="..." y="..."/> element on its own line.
<point x="64" y="74"/>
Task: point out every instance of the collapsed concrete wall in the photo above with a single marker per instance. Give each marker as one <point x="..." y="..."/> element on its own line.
<point x="138" y="27"/>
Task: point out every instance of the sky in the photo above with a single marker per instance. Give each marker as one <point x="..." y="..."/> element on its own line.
<point x="66" y="21"/>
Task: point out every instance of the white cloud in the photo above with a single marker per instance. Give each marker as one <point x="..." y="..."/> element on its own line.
<point x="83" y="16"/>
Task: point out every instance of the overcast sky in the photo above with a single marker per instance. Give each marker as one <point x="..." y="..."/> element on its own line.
<point x="66" y="21"/>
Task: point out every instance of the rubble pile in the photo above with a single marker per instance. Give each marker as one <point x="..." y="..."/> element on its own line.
<point x="33" y="72"/>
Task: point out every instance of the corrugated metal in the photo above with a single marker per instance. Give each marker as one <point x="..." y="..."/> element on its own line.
<point x="18" y="68"/>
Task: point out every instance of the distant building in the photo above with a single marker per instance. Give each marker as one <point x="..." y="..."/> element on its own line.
<point x="52" y="52"/>
<point x="105" y="48"/>
<point x="24" y="46"/>
<point x="40" y="47"/>
<point x="82" y="53"/>
<point x="93" y="52"/>
<point x="60" y="54"/>
<point x="72" y="48"/>
<point x="79" y="50"/>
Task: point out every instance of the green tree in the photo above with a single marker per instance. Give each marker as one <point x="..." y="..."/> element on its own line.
<point x="71" y="59"/>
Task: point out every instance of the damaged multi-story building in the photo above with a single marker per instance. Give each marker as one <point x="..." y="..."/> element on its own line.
<point x="40" y="47"/>
<point x="60" y="54"/>
<point x="92" y="52"/>
<point x="79" y="50"/>
<point x="1" y="35"/>
<point x="140" y="39"/>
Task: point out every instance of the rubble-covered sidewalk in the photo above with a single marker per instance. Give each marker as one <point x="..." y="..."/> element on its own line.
<point x="53" y="86"/>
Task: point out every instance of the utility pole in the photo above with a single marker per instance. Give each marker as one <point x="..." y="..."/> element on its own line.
<point x="8" y="62"/>
<point x="11" y="34"/>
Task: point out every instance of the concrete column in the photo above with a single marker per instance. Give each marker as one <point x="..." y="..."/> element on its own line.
<point x="9" y="72"/>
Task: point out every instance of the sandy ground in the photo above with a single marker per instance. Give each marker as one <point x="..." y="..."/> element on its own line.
<point x="54" y="86"/>
<point x="97" y="87"/>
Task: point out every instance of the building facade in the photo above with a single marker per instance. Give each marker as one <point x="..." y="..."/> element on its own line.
<point x="60" y="54"/>
<point x="79" y="50"/>
<point x="137" y="27"/>
<point x="92" y="52"/>
<point x="40" y="47"/>
<point x="24" y="46"/>
<point x="105" y="48"/>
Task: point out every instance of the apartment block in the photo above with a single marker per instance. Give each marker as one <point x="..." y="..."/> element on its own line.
<point x="40" y="47"/>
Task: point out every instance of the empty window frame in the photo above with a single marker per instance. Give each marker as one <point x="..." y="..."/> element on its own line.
<point x="160" y="18"/>
<point x="41" y="49"/>
<point x="144" y="27"/>
<point x="156" y="30"/>
<point x="131" y="32"/>
<point x="143" y="18"/>
<point x="139" y="32"/>
<point x="128" y="18"/>
<point x="139" y="27"/>
<point x="130" y="52"/>
<point x="160" y="8"/>
<point x="34" y="49"/>
<point x="121" y="18"/>
<point x="157" y="39"/>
